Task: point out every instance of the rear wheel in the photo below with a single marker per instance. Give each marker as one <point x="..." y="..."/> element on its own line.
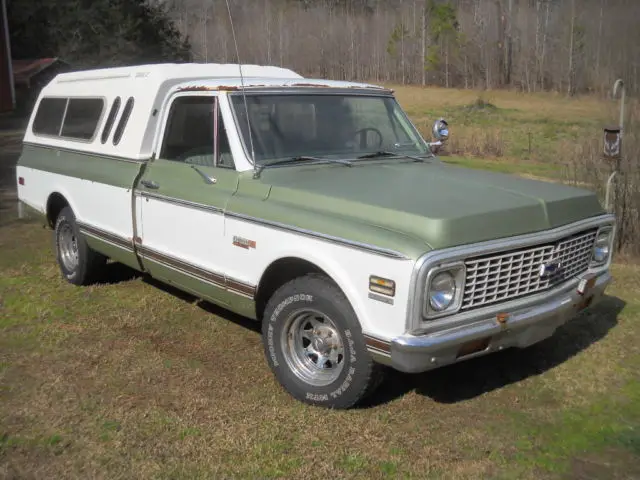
<point x="314" y="344"/>
<point x="78" y="263"/>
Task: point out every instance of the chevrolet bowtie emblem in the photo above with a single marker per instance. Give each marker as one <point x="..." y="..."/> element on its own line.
<point x="548" y="269"/>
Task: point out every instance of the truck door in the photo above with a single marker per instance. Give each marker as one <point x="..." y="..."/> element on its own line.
<point x="181" y="195"/>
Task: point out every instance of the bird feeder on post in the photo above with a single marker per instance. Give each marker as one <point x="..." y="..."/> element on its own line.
<point x="613" y="144"/>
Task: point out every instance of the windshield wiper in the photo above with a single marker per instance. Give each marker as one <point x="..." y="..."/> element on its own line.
<point x="301" y="158"/>
<point x="384" y="153"/>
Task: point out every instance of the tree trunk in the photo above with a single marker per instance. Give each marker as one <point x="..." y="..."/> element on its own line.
<point x="267" y="16"/>
<point x="424" y="45"/>
<point x="281" y="40"/>
<point x="501" y="48"/>
<point x="509" y="46"/>
<point x="599" y="38"/>
<point x="571" y="44"/>
<point x="544" y="48"/>
<point x="446" y="62"/>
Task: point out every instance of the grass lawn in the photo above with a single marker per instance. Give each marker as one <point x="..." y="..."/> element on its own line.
<point x="131" y="379"/>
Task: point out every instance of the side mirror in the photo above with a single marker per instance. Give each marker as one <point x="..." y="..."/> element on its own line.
<point x="441" y="133"/>
<point x="441" y="130"/>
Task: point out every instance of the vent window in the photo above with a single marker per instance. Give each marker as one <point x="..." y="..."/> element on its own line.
<point x="115" y="107"/>
<point x="117" y="136"/>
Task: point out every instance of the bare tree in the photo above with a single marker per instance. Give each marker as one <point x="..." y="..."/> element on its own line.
<point x="569" y="46"/>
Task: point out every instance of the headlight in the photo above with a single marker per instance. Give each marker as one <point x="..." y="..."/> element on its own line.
<point x="443" y="292"/>
<point x="602" y="246"/>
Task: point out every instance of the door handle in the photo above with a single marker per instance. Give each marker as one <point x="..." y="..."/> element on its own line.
<point x="150" y="184"/>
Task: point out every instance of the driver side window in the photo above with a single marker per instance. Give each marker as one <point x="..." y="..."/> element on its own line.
<point x="189" y="135"/>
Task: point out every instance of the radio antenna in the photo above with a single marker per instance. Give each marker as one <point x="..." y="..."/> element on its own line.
<point x="244" y="96"/>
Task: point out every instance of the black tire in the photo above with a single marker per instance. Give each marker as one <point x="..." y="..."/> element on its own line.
<point x="89" y="263"/>
<point x="359" y="375"/>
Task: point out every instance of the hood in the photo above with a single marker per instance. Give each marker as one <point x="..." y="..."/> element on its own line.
<point x="439" y="204"/>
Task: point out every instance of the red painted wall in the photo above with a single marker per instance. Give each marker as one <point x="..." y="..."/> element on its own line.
<point x="7" y="95"/>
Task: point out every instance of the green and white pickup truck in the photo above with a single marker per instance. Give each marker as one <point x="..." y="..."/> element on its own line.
<point x="314" y="207"/>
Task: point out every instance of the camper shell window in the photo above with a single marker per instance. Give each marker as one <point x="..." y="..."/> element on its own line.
<point x="49" y="116"/>
<point x="69" y="118"/>
<point x="82" y="118"/>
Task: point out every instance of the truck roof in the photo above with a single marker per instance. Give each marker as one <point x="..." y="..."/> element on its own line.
<point x="168" y="71"/>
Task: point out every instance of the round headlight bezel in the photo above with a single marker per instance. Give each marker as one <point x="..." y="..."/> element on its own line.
<point x="602" y="247"/>
<point x="452" y="272"/>
<point x="441" y="295"/>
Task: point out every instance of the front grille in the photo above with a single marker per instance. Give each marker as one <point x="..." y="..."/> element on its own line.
<point x="508" y="275"/>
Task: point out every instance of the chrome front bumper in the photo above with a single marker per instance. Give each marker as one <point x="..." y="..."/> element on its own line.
<point x="515" y="327"/>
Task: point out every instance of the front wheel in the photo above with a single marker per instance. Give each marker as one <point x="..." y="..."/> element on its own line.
<point x="314" y="344"/>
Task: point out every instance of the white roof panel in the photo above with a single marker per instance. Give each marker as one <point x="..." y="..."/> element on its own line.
<point x="169" y="71"/>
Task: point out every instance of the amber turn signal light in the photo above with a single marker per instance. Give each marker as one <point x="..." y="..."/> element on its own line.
<point x="383" y="286"/>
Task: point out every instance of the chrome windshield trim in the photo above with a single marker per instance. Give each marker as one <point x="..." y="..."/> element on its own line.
<point x="435" y="258"/>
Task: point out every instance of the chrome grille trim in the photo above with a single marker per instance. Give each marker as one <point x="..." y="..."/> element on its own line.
<point x="508" y="275"/>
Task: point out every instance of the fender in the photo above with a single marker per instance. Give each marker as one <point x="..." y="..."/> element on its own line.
<point x="356" y="294"/>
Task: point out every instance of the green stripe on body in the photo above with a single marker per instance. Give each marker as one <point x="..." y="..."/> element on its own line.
<point x="102" y="169"/>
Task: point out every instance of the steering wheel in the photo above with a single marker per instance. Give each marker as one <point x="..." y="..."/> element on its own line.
<point x="362" y="132"/>
<point x="195" y="151"/>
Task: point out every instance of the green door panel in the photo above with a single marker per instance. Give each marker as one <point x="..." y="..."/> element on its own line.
<point x="179" y="180"/>
<point x="184" y="186"/>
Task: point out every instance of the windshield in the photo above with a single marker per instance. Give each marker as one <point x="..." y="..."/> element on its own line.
<point x="329" y="126"/>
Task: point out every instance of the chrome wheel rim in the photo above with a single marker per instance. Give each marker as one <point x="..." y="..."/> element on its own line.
<point x="313" y="347"/>
<point x="68" y="247"/>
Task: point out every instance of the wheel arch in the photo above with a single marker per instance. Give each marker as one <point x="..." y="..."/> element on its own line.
<point x="56" y="201"/>
<point x="279" y="272"/>
<point x="287" y="268"/>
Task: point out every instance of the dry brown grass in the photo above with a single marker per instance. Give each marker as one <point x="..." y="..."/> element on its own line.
<point x="542" y="105"/>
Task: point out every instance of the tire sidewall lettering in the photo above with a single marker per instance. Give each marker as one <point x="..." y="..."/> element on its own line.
<point x="274" y="318"/>
<point x="320" y="395"/>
